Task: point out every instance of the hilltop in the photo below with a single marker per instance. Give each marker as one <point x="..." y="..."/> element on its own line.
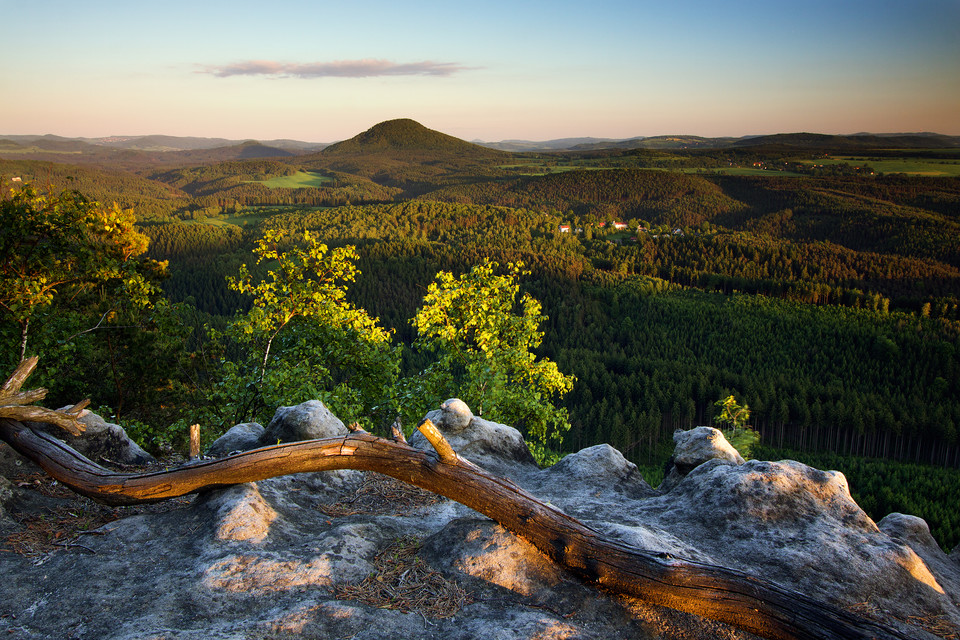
<point x="405" y="134"/>
<point x="405" y="154"/>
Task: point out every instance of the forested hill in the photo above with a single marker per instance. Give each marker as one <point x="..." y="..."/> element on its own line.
<point x="405" y="154"/>
<point x="408" y="135"/>
<point x="677" y="199"/>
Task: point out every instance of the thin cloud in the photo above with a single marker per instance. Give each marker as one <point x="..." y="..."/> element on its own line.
<point x="336" y="69"/>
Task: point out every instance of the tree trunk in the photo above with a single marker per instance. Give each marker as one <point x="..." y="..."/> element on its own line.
<point x="729" y="596"/>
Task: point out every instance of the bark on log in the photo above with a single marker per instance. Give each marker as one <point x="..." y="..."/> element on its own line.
<point x="729" y="596"/>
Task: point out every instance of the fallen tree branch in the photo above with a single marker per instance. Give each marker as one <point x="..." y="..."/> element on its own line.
<point x="13" y="402"/>
<point x="718" y="593"/>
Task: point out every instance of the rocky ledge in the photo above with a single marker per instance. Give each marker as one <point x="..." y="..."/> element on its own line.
<point x="348" y="554"/>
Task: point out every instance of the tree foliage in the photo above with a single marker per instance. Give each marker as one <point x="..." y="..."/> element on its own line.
<point x="732" y="420"/>
<point x="77" y="289"/>
<point x="483" y="334"/>
<point x="55" y="249"/>
<point x="301" y="339"/>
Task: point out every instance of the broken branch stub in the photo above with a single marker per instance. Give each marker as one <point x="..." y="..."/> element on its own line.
<point x="15" y="404"/>
<point x="435" y="438"/>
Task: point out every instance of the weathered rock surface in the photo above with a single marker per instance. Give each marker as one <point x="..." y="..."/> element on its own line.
<point x="6" y="495"/>
<point x="306" y="421"/>
<point x="240" y="437"/>
<point x="495" y="447"/>
<point x="693" y="448"/>
<point x="268" y="559"/>
<point x="102" y="441"/>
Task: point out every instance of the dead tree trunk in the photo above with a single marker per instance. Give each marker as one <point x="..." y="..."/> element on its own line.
<point x="729" y="596"/>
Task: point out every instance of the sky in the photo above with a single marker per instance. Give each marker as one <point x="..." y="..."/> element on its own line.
<point x="324" y="71"/>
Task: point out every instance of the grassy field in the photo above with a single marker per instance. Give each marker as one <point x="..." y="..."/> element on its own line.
<point x="297" y="180"/>
<point x="252" y="215"/>
<point x="910" y="166"/>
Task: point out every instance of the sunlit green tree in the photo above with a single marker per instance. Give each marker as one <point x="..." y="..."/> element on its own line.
<point x="483" y="333"/>
<point x="301" y="339"/>
<point x="732" y="418"/>
<point x="77" y="289"/>
<point x="54" y="250"/>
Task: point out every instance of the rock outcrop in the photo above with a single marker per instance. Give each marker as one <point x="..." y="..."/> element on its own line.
<point x="313" y="555"/>
<point x="693" y="448"/>
<point x="495" y="447"/>
<point x="240" y="437"/>
<point x="305" y="421"/>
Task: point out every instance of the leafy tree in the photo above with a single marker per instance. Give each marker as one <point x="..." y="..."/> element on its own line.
<point x="301" y="340"/>
<point x="740" y="435"/>
<point x="77" y="289"/>
<point x="55" y="250"/>
<point x="483" y="337"/>
<point x="732" y="414"/>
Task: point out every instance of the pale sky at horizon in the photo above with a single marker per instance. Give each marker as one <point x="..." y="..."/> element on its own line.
<point x="324" y="71"/>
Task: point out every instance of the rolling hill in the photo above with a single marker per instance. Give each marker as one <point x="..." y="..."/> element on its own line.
<point x="404" y="154"/>
<point x="398" y="137"/>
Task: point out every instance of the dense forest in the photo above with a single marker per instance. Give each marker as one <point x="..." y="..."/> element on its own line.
<point x="825" y="299"/>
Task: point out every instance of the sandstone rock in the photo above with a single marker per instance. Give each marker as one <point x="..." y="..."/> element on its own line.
<point x="915" y="533"/>
<point x="693" y="448"/>
<point x="242" y="513"/>
<point x="796" y="525"/>
<point x="240" y="437"/>
<point x="6" y="494"/>
<point x="102" y="441"/>
<point x="483" y="549"/>
<point x="911" y="529"/>
<point x="455" y="415"/>
<point x="598" y="475"/>
<point x="307" y="421"/>
<point x="12" y="464"/>
<point x="496" y="447"/>
<point x="497" y="567"/>
<point x="264" y="560"/>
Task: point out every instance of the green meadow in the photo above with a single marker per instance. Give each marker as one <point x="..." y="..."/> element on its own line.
<point x="252" y="215"/>
<point x="914" y="166"/>
<point x="298" y="180"/>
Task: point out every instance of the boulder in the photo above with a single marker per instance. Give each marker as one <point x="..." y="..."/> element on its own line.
<point x="915" y="533"/>
<point x="910" y="529"/>
<point x="798" y="526"/>
<point x="496" y="447"/>
<point x="240" y="437"/>
<point x="599" y="468"/>
<point x="306" y="421"/>
<point x="693" y="448"/>
<point x="101" y="441"/>
<point x="455" y="415"/>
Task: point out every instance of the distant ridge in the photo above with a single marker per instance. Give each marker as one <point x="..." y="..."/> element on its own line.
<point x="405" y="134"/>
<point x="153" y="143"/>
<point x="559" y="144"/>
<point x="252" y="149"/>
<point x="856" y="141"/>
